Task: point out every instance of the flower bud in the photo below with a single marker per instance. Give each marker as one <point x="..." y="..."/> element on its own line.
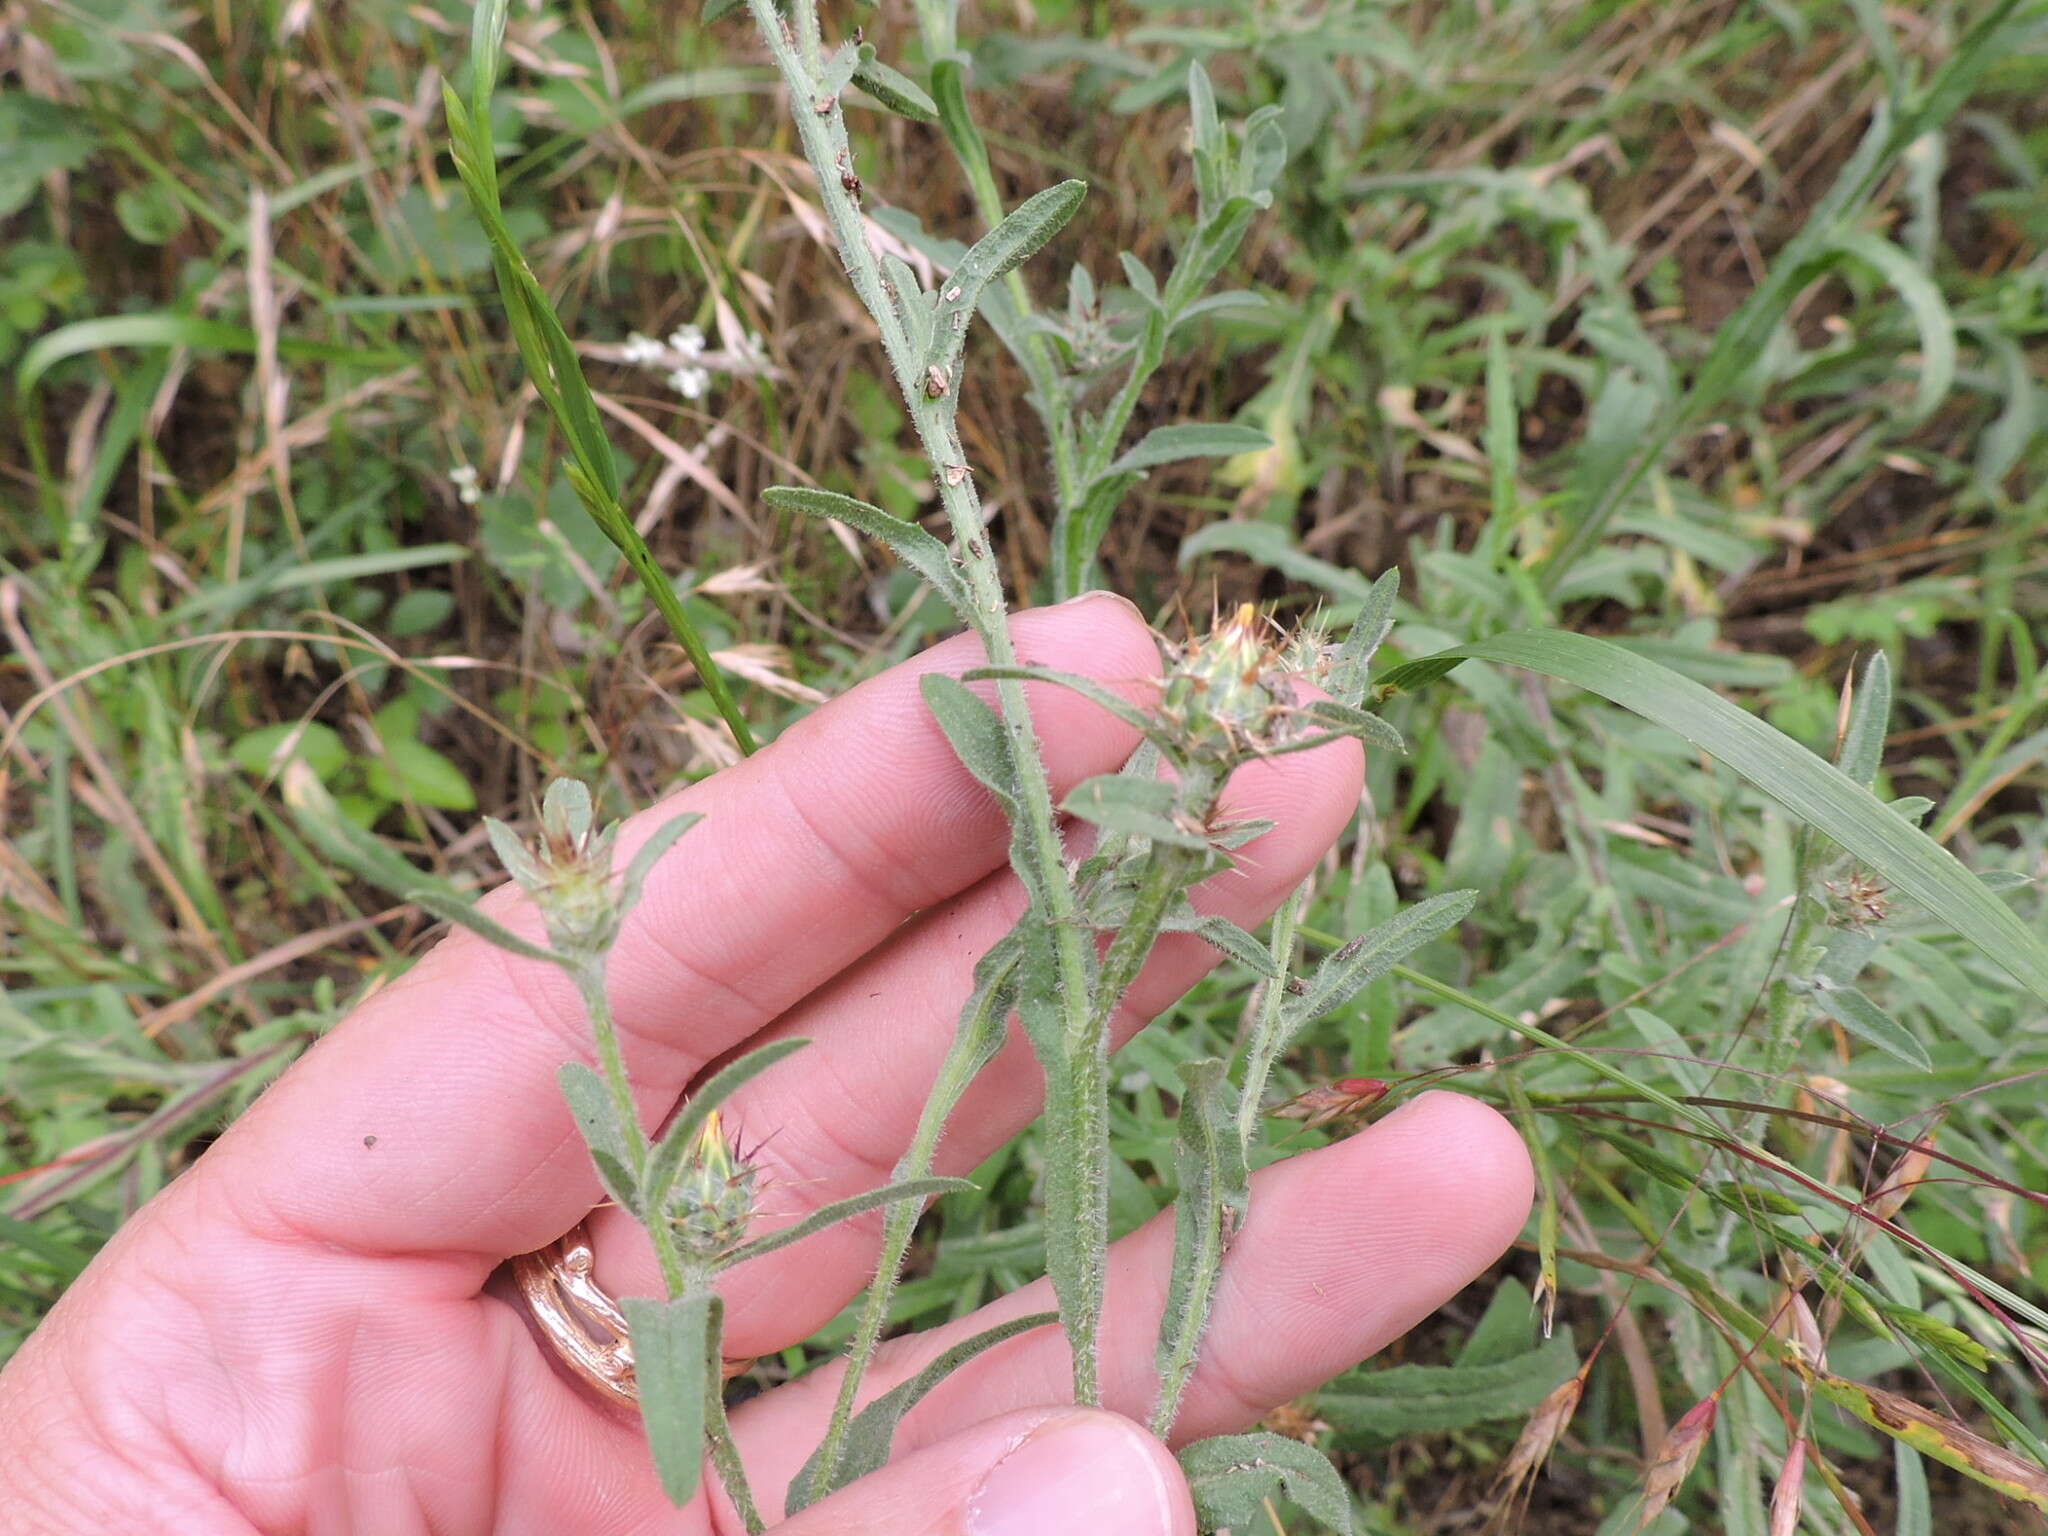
<point x="712" y="1204"/>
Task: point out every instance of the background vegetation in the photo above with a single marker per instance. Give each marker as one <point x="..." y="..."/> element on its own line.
<point x="1521" y="250"/>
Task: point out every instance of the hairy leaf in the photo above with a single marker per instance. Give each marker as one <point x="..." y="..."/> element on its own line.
<point x="1215" y="1193"/>
<point x="1231" y="1477"/>
<point x="919" y="550"/>
<point x="611" y="1144"/>
<point x="841" y="1210"/>
<point x="671" y="1350"/>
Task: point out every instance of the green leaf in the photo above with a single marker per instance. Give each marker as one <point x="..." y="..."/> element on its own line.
<point x="1222" y="934"/>
<point x="612" y="1145"/>
<point x="360" y="852"/>
<point x="840" y="1210"/>
<point x="1353" y="667"/>
<point x="266" y="751"/>
<point x="873" y="1430"/>
<point x="1373" y="953"/>
<point x="1272" y="545"/>
<point x="1871" y="1024"/>
<point x="1215" y="1193"/>
<point x="1369" y="728"/>
<point x="667" y="1154"/>
<point x="1924" y="303"/>
<point x="1088" y="688"/>
<point x="1870" y="712"/>
<point x="1813" y="791"/>
<point x="671" y="1349"/>
<point x="894" y="90"/>
<point x="1135" y="807"/>
<point x="414" y="771"/>
<point x="454" y="907"/>
<point x="166" y="330"/>
<point x="1231" y="1477"/>
<point x="975" y="732"/>
<point x="648" y="854"/>
<point x="1026" y="227"/>
<point x="919" y="550"/>
<point x="1193" y="440"/>
<point x="1438" y="1399"/>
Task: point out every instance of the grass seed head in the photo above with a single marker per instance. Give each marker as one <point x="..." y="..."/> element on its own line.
<point x="1676" y="1458"/>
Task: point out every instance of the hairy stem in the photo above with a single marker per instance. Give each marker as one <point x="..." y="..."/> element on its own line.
<point x="822" y="130"/>
<point x="589" y="973"/>
<point x="725" y="1455"/>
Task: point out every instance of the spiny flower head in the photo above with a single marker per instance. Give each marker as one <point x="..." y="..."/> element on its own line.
<point x="713" y="1201"/>
<point x="1227" y="688"/>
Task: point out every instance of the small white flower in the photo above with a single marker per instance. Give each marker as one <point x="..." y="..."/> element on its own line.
<point x="687" y="340"/>
<point x="1135" y="1082"/>
<point x="642" y="351"/>
<point x="690" y="382"/>
<point x="466" y="485"/>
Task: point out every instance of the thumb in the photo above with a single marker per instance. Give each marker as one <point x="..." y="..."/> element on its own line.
<point x="1041" y="1472"/>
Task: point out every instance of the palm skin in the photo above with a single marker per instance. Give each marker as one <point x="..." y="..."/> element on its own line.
<point x="304" y="1332"/>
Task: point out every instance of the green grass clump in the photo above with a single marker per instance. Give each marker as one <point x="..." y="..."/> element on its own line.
<point x="1660" y="348"/>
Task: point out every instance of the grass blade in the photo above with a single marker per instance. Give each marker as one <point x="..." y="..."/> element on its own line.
<point x="1816" y="792"/>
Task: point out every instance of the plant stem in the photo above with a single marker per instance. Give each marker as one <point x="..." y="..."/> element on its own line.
<point x="589" y="972"/>
<point x="725" y="1455"/>
<point x="979" y="1036"/>
<point x="823" y="133"/>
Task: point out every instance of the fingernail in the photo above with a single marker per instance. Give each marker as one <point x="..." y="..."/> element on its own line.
<point x="1101" y="596"/>
<point x="1083" y="1472"/>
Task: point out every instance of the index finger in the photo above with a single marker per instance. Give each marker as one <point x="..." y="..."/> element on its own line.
<point x="430" y="1120"/>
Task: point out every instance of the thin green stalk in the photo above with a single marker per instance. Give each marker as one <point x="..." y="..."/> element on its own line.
<point x="979" y="1036"/>
<point x="590" y="983"/>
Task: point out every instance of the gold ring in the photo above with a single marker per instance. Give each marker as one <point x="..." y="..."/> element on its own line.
<point x="585" y="1326"/>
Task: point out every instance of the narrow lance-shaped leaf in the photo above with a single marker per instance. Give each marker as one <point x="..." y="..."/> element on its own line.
<point x="1869" y="1023"/>
<point x="453" y="907"/>
<point x="647" y="855"/>
<point x="1222" y="934"/>
<point x="975" y="733"/>
<point x="1814" y="791"/>
<point x="1349" y="720"/>
<point x="840" y="1210"/>
<point x="670" y="1365"/>
<point x="1353" y="667"/>
<point x="1870" y="709"/>
<point x="873" y="1430"/>
<point x="1232" y="1476"/>
<point x="1215" y="1193"/>
<point x="612" y="1145"/>
<point x="893" y="89"/>
<point x="1027" y="227"/>
<point x="667" y="1155"/>
<point x="919" y="550"/>
<point x="1090" y="690"/>
<point x="1373" y="954"/>
<point x="1944" y="1439"/>
<point x="1190" y="440"/>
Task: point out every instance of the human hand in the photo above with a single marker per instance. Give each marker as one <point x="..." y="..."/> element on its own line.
<point x="303" y="1333"/>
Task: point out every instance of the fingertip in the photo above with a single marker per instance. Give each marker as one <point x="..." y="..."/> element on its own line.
<point x="1083" y="1469"/>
